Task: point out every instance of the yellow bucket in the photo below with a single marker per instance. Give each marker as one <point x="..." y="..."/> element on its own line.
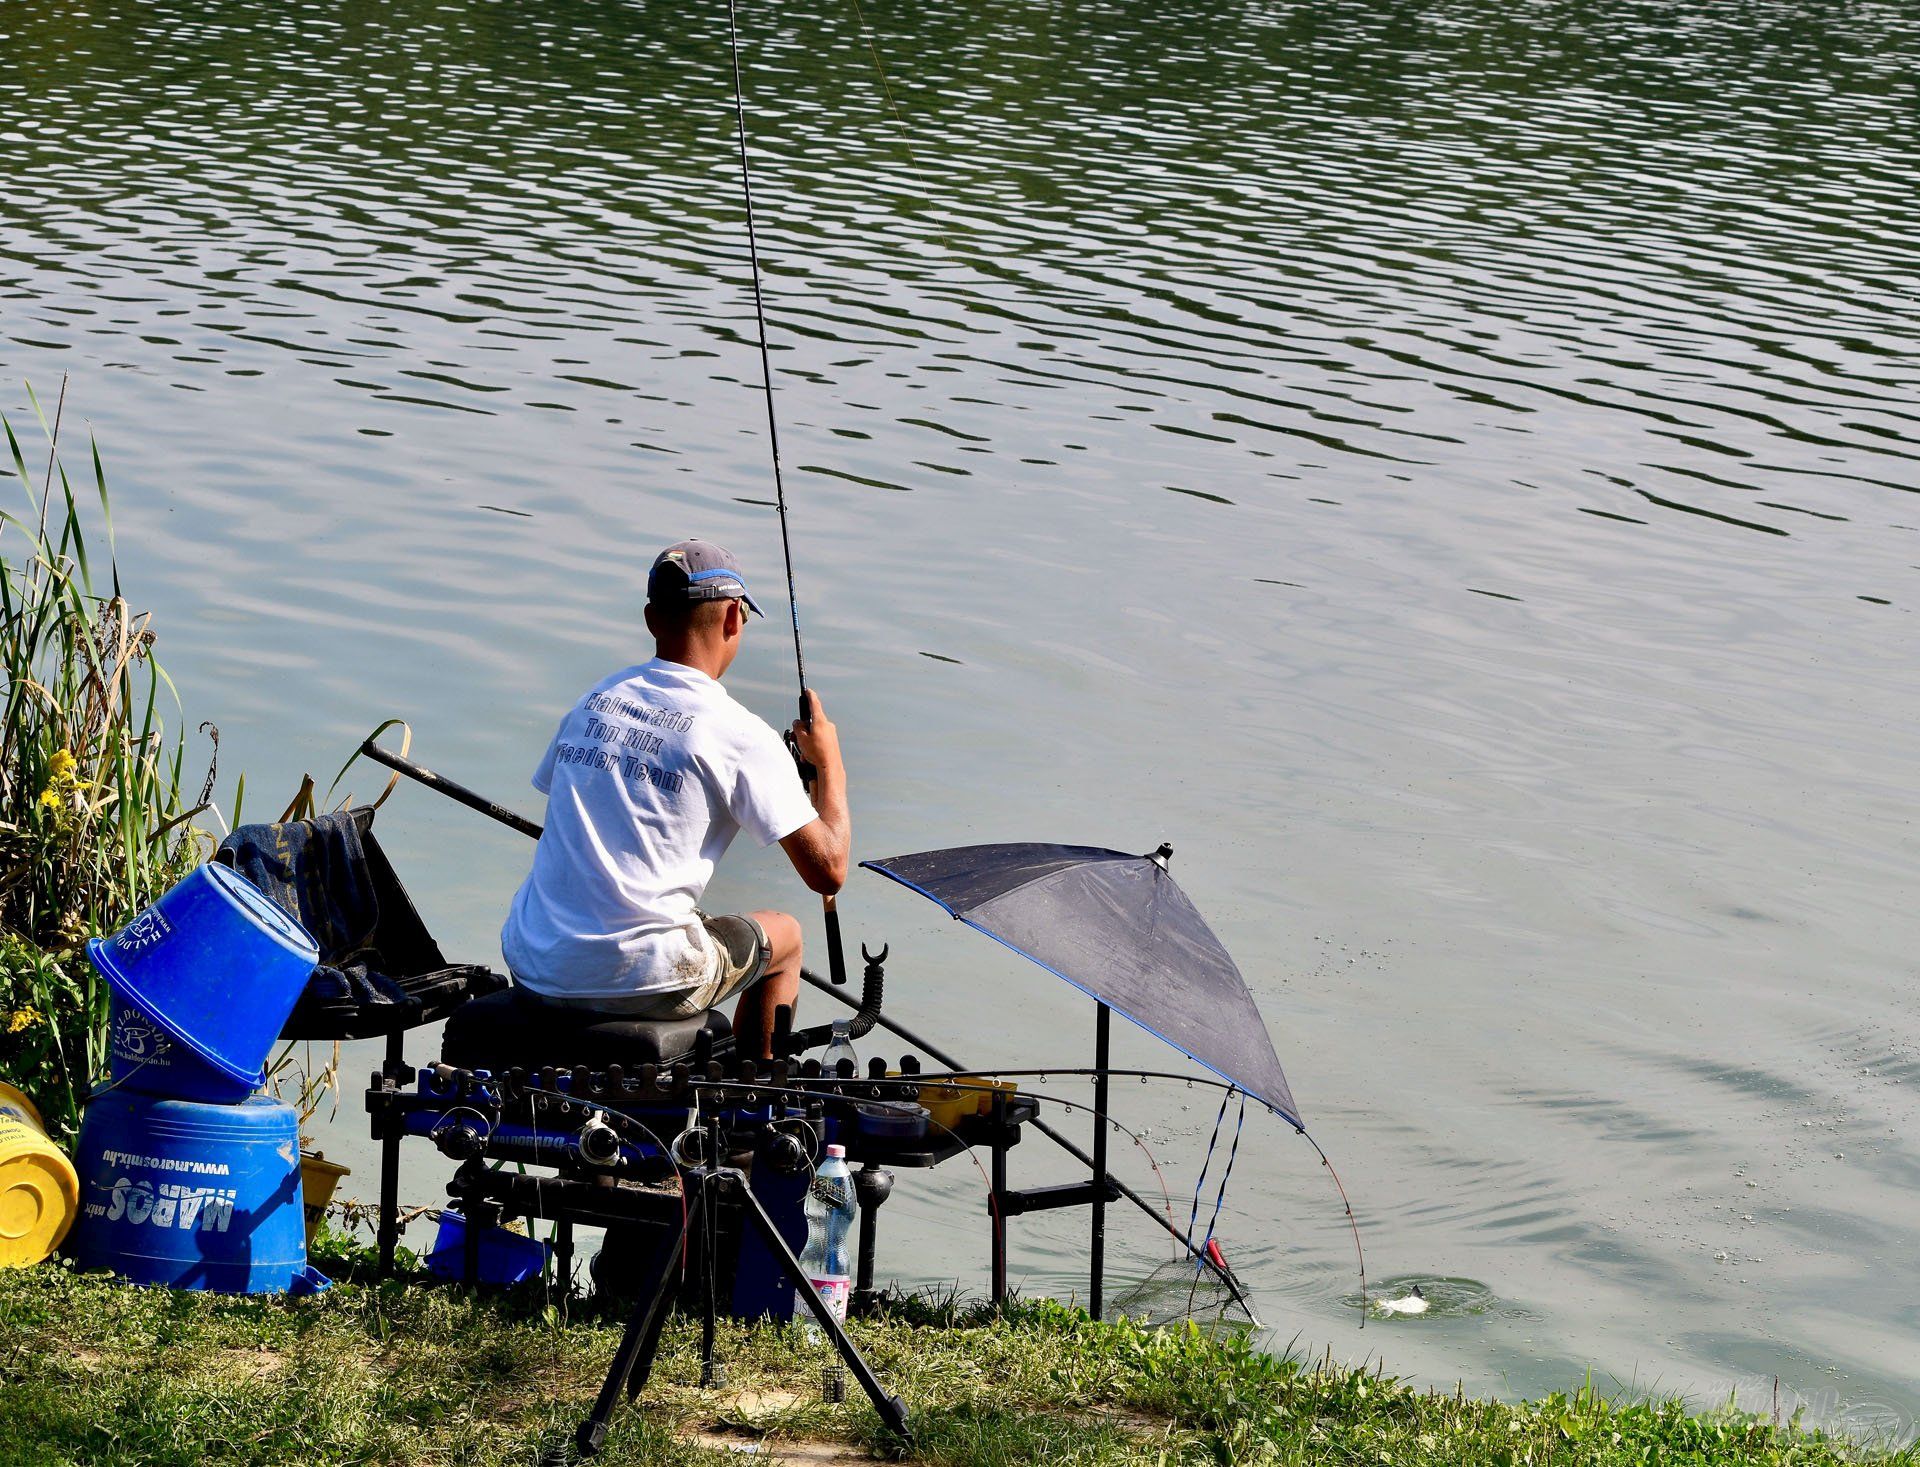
<point x="318" y="1178"/>
<point x="39" y="1193"/>
<point x="946" y="1105"/>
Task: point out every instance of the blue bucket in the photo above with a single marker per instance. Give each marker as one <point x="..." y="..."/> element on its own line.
<point x="215" y="968"/>
<point x="193" y="1196"/>
<point x="505" y="1257"/>
<point x="142" y="1056"/>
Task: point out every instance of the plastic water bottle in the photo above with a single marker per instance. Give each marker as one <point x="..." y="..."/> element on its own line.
<point x="828" y="1256"/>
<point x="840" y="1049"/>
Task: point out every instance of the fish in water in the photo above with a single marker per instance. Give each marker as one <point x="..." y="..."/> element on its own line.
<point x="1413" y="1303"/>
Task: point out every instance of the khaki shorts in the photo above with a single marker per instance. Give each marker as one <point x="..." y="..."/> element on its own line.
<point x="737" y="954"/>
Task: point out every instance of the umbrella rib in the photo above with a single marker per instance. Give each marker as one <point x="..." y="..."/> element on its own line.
<point x="1116" y="856"/>
<point x="939" y="902"/>
<point x="1291" y="1120"/>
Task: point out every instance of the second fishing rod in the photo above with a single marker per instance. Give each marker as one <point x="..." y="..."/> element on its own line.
<point x="829" y="902"/>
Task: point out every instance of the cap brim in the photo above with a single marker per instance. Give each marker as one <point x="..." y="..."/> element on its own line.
<point x="752" y="605"/>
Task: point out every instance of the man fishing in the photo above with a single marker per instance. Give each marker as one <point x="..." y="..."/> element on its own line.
<point x="648" y="779"/>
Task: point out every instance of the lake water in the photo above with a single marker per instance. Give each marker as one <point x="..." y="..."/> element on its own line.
<point x="1448" y="469"/>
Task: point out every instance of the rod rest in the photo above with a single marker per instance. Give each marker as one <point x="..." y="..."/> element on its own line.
<point x="570" y="1097"/>
<point x="614" y="1121"/>
<point x="787" y="1041"/>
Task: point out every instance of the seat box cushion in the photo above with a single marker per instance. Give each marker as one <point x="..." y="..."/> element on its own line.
<point x="507" y="1030"/>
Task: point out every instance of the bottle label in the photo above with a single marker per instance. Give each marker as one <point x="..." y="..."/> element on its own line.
<point x="833" y="1192"/>
<point x="833" y="1289"/>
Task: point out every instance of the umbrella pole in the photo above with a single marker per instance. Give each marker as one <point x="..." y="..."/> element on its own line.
<point x="1101" y="1025"/>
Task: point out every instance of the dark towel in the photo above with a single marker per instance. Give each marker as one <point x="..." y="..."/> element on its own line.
<point x="318" y="872"/>
<point x="380" y="969"/>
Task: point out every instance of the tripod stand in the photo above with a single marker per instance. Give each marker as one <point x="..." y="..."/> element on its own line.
<point x="633" y="1360"/>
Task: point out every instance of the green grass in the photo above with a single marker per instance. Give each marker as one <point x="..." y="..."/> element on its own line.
<point x="96" y="1372"/>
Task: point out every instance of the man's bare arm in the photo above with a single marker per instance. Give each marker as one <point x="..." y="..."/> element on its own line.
<point x="821" y="848"/>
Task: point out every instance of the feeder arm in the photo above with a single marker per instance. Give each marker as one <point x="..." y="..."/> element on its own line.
<point x="872" y="986"/>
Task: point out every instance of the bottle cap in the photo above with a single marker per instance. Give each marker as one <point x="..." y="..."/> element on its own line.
<point x="836" y="1150"/>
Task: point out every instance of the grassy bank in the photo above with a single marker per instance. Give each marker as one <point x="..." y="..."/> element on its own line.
<point x="98" y="1373"/>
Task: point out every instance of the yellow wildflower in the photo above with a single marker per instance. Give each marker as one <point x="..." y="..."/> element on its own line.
<point x="21" y="1019"/>
<point x="50" y="799"/>
<point x="62" y="764"/>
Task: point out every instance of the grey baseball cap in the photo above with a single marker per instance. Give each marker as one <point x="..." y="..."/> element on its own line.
<point x="698" y="570"/>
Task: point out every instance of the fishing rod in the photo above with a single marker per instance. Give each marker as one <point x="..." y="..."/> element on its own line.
<point x="829" y="902"/>
<point x="473" y="800"/>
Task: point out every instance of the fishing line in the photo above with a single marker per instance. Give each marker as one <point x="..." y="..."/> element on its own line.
<point x="1200" y="1182"/>
<point x="993" y="1202"/>
<point x="962" y="1076"/>
<point x="1220" y="1196"/>
<point x="1201" y="1259"/>
<point x="1160" y="1177"/>
<point x="941" y="236"/>
<point x="1352" y="1222"/>
<point x="866" y="34"/>
<point x="1233" y="1151"/>
<point x="766" y="360"/>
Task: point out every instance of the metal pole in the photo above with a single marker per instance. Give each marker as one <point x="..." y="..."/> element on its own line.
<point x="1098" y="1246"/>
<point x="387" y="1229"/>
<point x="999" y="1198"/>
<point x="872" y="1185"/>
<point x="450" y="788"/>
<point x="891" y="1410"/>
<point x="638" y="1343"/>
<point x="710" y="1373"/>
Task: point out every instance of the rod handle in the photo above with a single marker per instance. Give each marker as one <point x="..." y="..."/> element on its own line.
<point x="836" y="953"/>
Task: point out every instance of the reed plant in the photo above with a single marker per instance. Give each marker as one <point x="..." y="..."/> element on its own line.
<point x="95" y="819"/>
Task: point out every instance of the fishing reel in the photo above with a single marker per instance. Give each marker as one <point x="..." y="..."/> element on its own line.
<point x="808" y="774"/>
<point x="597" y="1143"/>
<point x="788" y="1145"/>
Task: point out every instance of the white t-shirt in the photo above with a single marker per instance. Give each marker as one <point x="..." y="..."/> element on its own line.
<point x="647" y="780"/>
